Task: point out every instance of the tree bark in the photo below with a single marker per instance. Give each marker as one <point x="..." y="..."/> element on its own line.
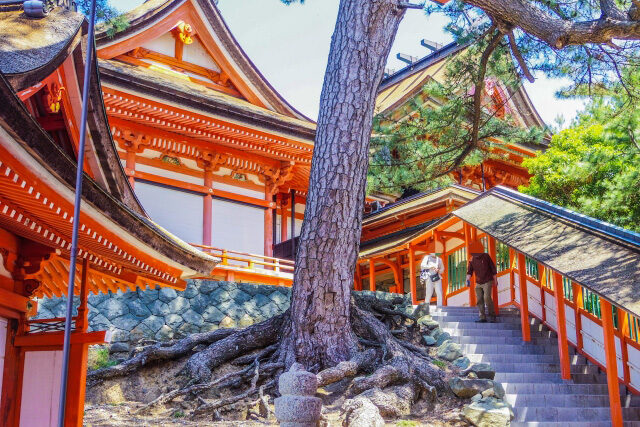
<point x="321" y="334"/>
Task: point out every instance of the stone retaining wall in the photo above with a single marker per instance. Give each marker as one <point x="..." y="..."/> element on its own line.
<point x="163" y="314"/>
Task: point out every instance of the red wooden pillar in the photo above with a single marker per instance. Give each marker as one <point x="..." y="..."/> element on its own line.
<point x="207" y="209"/>
<point x="131" y="166"/>
<point x="283" y="217"/>
<point x="412" y="275"/>
<point x="561" y="329"/>
<point x="78" y="357"/>
<point x="468" y="237"/>
<point x="612" y="363"/>
<point x="400" y="271"/>
<point x="524" y="299"/>
<point x="494" y="289"/>
<point x="358" y="278"/>
<point x="268" y="226"/>
<point x="372" y="275"/>
<point x="445" y="275"/>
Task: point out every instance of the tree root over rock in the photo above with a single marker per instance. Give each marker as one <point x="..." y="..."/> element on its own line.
<point x="396" y="361"/>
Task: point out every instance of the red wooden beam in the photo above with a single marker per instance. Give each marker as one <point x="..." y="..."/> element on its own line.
<point x="612" y="363"/>
<point x="561" y="329"/>
<point x="524" y="299"/>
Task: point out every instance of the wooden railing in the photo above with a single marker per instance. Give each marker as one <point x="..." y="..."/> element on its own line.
<point x="255" y="265"/>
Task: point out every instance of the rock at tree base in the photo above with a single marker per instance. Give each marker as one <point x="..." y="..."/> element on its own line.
<point x="488" y="412"/>
<point x="462" y="362"/>
<point x="298" y="406"/>
<point x="429" y="340"/>
<point x="361" y="412"/>
<point x="392" y="402"/>
<point x="421" y="310"/>
<point x="465" y="387"/>
<point x="449" y="351"/>
<point x="428" y="322"/>
<point x="482" y="370"/>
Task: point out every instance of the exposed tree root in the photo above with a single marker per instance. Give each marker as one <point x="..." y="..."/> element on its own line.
<point x="161" y="351"/>
<point x="389" y="350"/>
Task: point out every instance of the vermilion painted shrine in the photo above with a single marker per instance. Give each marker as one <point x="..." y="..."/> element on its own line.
<point x="198" y="168"/>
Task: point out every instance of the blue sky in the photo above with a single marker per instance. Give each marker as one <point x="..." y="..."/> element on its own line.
<point x="290" y="45"/>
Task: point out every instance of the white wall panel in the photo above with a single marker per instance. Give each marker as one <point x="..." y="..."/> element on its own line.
<point x="163" y="44"/>
<point x="238" y="227"/>
<point x="239" y="190"/>
<point x="504" y="289"/>
<point x="634" y="366"/>
<point x="516" y="283"/>
<point x="570" y="315"/>
<point x="459" y="300"/>
<point x="593" y="339"/>
<point x="41" y="388"/>
<point x="180" y="212"/>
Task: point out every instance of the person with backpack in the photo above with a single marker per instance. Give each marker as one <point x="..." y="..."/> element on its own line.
<point x="431" y="269"/>
<point x="484" y="268"/>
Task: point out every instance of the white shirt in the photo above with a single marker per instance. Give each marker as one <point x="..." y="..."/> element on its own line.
<point x="432" y="262"/>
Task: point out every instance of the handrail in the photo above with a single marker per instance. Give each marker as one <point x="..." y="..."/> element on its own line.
<point x="277" y="264"/>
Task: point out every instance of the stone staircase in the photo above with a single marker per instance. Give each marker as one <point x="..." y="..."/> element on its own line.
<point x="530" y="372"/>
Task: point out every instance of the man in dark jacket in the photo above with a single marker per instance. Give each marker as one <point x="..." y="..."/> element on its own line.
<point x="484" y="268"/>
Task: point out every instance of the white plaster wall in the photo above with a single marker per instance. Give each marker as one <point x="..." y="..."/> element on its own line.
<point x="197" y="54"/>
<point x="165" y="44"/>
<point x="459" y="300"/>
<point x="237" y="227"/>
<point x="504" y="289"/>
<point x="534" y="298"/>
<point x="41" y="388"/>
<point x="180" y="212"/>
<point x="634" y="366"/>
<point x="239" y="190"/>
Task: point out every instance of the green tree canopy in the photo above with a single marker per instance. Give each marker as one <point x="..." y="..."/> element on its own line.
<point x="594" y="166"/>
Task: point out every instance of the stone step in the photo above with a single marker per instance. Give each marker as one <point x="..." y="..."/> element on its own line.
<point x="566" y="400"/>
<point x="557" y="388"/>
<point x="529" y="377"/>
<point x="555" y="414"/>
<point x="483" y="339"/>
<point x="572" y="424"/>
<point x="507" y="367"/>
<point x="487" y="332"/>
<point x="489" y="326"/>
<point x="471" y="318"/>
<point x="523" y="348"/>
<point x="523" y="358"/>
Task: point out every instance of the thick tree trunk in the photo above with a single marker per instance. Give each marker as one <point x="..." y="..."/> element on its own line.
<point x="321" y="334"/>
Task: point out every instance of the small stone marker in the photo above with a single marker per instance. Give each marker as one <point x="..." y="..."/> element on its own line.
<point x="298" y="406"/>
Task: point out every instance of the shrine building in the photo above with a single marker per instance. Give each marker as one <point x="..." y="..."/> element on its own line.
<point x="120" y="248"/>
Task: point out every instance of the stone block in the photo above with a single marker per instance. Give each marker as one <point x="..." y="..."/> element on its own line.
<point x="159" y="308"/>
<point x="148" y="296"/>
<point x="179" y="305"/>
<point x="154" y="323"/>
<point x="213" y="315"/>
<point x="193" y="318"/>
<point x="442" y="338"/>
<point x="199" y="303"/>
<point x="280" y="299"/>
<point x="100" y="323"/>
<point x="140" y="332"/>
<point x="360" y="411"/>
<point x="468" y="387"/>
<point x="43" y="313"/>
<point x="301" y="409"/>
<point x="270" y="310"/>
<point x="449" y="351"/>
<point x="126" y="322"/>
<point x="96" y="300"/>
<point x="207" y="286"/>
<point x="260" y="300"/>
<point x="219" y="295"/>
<point x="173" y="321"/>
<point x="138" y="308"/>
<point x="428" y="323"/>
<point x="241" y="297"/>
<point x="188" y="329"/>
<point x="429" y="340"/>
<point x="167" y="295"/>
<point x="190" y="291"/>
<point x="208" y="327"/>
<point x="227" y="322"/>
<point x="119" y="335"/>
<point x="298" y="383"/>
<point x="113" y="308"/>
<point x="245" y="321"/>
<point x="482" y="370"/>
<point x="165" y="333"/>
